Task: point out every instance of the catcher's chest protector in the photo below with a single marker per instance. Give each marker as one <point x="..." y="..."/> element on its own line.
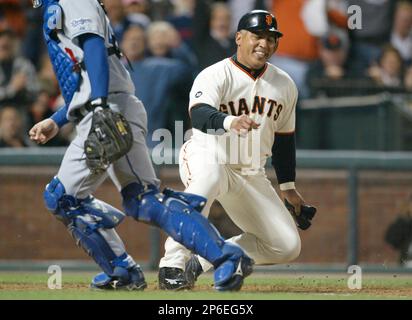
<point x="65" y="65"/>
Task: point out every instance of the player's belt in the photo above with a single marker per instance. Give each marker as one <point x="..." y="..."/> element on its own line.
<point x="81" y="112"/>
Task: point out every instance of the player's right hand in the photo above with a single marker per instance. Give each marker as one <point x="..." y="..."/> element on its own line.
<point x="43" y="131"/>
<point x="243" y="124"/>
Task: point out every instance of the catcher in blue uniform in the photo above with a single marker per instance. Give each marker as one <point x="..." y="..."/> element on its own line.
<point x="99" y="97"/>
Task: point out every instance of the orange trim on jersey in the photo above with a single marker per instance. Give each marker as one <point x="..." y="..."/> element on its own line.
<point x="248" y="73"/>
<point x="285" y="133"/>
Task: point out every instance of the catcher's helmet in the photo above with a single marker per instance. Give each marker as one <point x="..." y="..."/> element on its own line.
<point x="259" y="20"/>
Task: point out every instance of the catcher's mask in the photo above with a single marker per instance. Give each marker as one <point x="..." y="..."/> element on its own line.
<point x="37" y="3"/>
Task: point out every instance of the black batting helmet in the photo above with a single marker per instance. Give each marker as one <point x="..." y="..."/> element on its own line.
<point x="259" y="20"/>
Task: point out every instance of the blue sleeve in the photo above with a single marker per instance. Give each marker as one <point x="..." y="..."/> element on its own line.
<point x="60" y="116"/>
<point x="97" y="64"/>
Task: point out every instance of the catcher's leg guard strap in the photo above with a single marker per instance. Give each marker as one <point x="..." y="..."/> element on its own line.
<point x="66" y="207"/>
<point x="178" y="218"/>
<point x="93" y="243"/>
<point x="84" y="218"/>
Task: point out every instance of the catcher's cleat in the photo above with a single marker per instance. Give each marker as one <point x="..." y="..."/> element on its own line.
<point x="122" y="279"/>
<point x="173" y="279"/>
<point x="193" y="270"/>
<point x="243" y="269"/>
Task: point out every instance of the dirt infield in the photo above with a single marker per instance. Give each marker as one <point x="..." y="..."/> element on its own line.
<point x="375" y="291"/>
<point x="259" y="286"/>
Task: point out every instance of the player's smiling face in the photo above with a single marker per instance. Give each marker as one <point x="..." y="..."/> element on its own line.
<point x="254" y="49"/>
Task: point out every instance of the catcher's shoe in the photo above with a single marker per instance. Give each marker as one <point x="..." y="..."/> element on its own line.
<point x="244" y="268"/>
<point x="173" y="279"/>
<point x="193" y="270"/>
<point x="122" y="279"/>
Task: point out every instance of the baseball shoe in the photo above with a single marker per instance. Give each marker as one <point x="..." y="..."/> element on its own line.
<point x="244" y="269"/>
<point x="177" y="279"/>
<point x="193" y="270"/>
<point x="173" y="279"/>
<point x="122" y="279"/>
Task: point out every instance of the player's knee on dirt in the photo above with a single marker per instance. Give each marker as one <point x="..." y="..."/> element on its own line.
<point x="83" y="219"/>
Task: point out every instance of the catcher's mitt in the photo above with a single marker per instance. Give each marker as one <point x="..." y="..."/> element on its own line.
<point x="109" y="139"/>
<point x="303" y="220"/>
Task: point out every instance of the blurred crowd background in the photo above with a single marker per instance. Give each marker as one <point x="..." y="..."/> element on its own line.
<point x="169" y="41"/>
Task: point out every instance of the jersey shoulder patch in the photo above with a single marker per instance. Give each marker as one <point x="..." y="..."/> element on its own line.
<point x="82" y="16"/>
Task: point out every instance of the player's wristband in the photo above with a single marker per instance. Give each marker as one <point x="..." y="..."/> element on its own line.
<point x="228" y="122"/>
<point x="287" y="186"/>
<point x="60" y="116"/>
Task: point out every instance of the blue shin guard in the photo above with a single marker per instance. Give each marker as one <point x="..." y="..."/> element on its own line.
<point x="230" y="274"/>
<point x="93" y="243"/>
<point x="177" y="213"/>
<point x="83" y="219"/>
<point x="176" y="217"/>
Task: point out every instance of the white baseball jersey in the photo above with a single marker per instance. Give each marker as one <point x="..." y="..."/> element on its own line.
<point x="87" y="16"/>
<point x="269" y="231"/>
<point x="269" y="100"/>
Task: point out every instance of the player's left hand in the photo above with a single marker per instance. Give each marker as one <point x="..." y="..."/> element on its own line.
<point x="294" y="198"/>
<point x="300" y="211"/>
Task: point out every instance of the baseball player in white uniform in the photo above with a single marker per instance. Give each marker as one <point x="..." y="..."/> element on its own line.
<point x="238" y="106"/>
<point x="86" y="60"/>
